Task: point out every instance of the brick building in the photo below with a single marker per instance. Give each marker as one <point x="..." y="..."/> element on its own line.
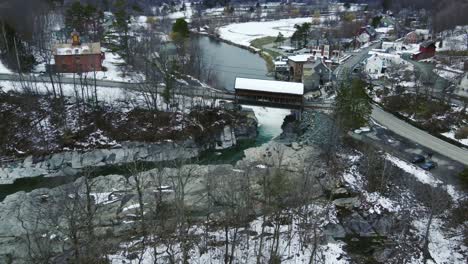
<point x="427" y="49"/>
<point x="77" y="57"/>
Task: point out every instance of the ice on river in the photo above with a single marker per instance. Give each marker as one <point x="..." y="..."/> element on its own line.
<point x="269" y="119"/>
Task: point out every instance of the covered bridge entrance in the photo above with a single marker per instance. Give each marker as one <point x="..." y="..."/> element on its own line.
<point x="276" y="94"/>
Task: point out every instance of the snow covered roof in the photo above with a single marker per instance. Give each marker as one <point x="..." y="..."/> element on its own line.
<point x="85" y="48"/>
<point x="301" y="57"/>
<point x="422" y="31"/>
<point x="286" y="48"/>
<point x="282" y="63"/>
<point x="269" y="86"/>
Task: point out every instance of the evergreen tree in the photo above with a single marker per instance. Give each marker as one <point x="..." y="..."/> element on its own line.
<point x="14" y="52"/>
<point x="376" y="21"/>
<point x="119" y="37"/>
<point x="279" y="39"/>
<point x="85" y="19"/>
<point x="180" y="29"/>
<point x="302" y="33"/>
<point x="353" y="107"/>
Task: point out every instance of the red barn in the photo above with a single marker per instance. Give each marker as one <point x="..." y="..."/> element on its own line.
<point x="77" y="57"/>
<point x="427" y="49"/>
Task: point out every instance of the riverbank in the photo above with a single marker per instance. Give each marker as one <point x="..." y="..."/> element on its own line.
<point x="84" y="135"/>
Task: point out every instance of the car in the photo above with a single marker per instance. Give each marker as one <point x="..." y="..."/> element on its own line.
<point x="429" y="165"/>
<point x="418" y="159"/>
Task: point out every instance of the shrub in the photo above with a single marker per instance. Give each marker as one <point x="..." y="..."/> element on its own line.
<point x="464" y="178"/>
<point x="462" y="133"/>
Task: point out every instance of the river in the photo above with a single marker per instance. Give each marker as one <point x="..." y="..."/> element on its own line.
<point x="226" y="62"/>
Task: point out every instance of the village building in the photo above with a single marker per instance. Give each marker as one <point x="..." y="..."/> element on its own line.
<point x="378" y="63"/>
<point x="389" y="46"/>
<point x="427" y="50"/>
<point x="315" y="75"/>
<point x="417" y="36"/>
<point x="77" y="57"/>
<point x="296" y="64"/>
<point x="320" y="46"/>
<point x="365" y="35"/>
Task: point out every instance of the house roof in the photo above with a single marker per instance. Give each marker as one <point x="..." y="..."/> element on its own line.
<point x="313" y="65"/>
<point x="427" y="43"/>
<point x="370" y="30"/>
<point x="85" y="48"/>
<point x="269" y="86"/>
<point x="301" y="57"/>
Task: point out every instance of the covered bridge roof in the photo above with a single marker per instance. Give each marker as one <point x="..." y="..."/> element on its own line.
<point x="269" y="86"/>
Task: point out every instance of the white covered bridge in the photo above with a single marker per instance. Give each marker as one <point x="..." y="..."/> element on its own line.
<point x="269" y="93"/>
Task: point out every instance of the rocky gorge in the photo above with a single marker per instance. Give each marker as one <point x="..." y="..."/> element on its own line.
<point x="72" y="162"/>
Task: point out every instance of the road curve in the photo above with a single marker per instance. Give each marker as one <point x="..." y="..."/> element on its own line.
<point x="419" y="136"/>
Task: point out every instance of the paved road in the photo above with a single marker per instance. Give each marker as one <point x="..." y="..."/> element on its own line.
<point x="348" y="66"/>
<point x="408" y="131"/>
<point x="65" y="80"/>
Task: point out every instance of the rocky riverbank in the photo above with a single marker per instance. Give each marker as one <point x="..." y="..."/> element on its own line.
<point x="72" y="162"/>
<point x="116" y="197"/>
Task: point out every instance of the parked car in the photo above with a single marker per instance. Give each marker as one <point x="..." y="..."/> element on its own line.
<point x="418" y="159"/>
<point x="429" y="165"/>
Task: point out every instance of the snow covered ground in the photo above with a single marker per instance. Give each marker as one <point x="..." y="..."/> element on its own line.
<point x="4" y="69"/>
<point x="448" y="74"/>
<point x="451" y="135"/>
<point x="445" y="244"/>
<point x="244" y="33"/>
<point x="107" y="94"/>
<point x="457" y="42"/>
<point x="290" y="247"/>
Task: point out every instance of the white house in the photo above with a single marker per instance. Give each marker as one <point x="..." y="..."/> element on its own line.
<point x="363" y="37"/>
<point x="396" y="46"/>
<point x="423" y="33"/>
<point x="377" y="64"/>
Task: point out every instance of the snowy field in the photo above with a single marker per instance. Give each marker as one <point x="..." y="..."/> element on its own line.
<point x="244" y="33"/>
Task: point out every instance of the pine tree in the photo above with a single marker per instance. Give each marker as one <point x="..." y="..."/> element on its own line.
<point x="119" y="39"/>
<point x="353" y="107"/>
<point x="279" y="39"/>
<point x="180" y="28"/>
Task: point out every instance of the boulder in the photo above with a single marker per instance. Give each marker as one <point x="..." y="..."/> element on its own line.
<point x="296" y="146"/>
<point x="335" y="231"/>
<point x="382" y="255"/>
<point x="348" y="203"/>
<point x="356" y="225"/>
<point x="340" y="193"/>
<point x="56" y="161"/>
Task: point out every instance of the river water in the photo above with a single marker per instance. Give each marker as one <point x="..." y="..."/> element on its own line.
<point x="226" y="62"/>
